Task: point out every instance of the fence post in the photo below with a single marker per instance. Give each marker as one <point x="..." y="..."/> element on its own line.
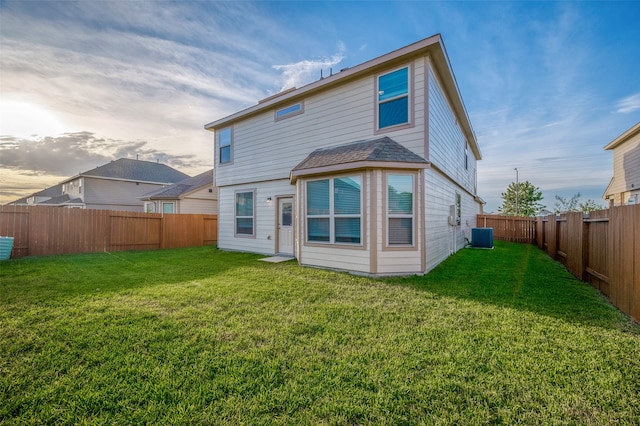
<point x="585" y="249"/>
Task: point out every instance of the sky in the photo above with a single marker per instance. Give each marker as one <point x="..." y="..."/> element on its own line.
<point x="546" y="84"/>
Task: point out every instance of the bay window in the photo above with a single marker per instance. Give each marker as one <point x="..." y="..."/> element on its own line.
<point x="334" y="210"/>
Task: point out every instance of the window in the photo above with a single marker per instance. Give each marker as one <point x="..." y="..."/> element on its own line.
<point x="400" y="209"/>
<point x="289" y="111"/>
<point x="167" y="207"/>
<point x="224" y="141"/>
<point x="393" y="98"/>
<point x="150" y="207"/>
<point x="334" y="209"/>
<point x="244" y="217"/>
<point x="466" y="156"/>
<point x="458" y="209"/>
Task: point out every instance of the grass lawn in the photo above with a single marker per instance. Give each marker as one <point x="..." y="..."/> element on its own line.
<point x="503" y="336"/>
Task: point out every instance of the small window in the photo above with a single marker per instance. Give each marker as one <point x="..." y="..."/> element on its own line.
<point x="289" y="111"/>
<point x="400" y="210"/>
<point x="224" y="141"/>
<point x="466" y="156"/>
<point x="393" y="98"/>
<point x="150" y="207"/>
<point x="334" y="209"/>
<point x="244" y="214"/>
<point x="458" y="209"/>
<point x="167" y="208"/>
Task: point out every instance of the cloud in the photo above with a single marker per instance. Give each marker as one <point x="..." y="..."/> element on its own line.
<point x="73" y="153"/>
<point x="298" y="74"/>
<point x="628" y="104"/>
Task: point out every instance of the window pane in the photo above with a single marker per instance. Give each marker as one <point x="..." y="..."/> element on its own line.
<point x="318" y="197"/>
<point x="244" y="225"/>
<point x="244" y="204"/>
<point x="347" y="230"/>
<point x="400" y="231"/>
<point x="288" y="110"/>
<point x="400" y="190"/>
<point x="287" y="219"/>
<point x="225" y="137"/>
<point x="167" y="207"/>
<point x="346" y="195"/>
<point x="394" y="112"/>
<point x="225" y="154"/>
<point x="318" y="229"/>
<point x="393" y="84"/>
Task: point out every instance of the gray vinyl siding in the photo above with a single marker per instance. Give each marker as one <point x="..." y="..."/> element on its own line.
<point x="264" y="149"/>
<point x="110" y="194"/>
<point x="264" y="214"/>
<point x="446" y="140"/>
<point x="443" y="239"/>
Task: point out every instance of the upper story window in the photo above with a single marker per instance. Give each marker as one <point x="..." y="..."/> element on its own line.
<point x="393" y="98"/>
<point x="224" y="143"/>
<point x="289" y="111"/>
<point x="466" y="156"/>
<point x="334" y="210"/>
<point x="400" y="210"/>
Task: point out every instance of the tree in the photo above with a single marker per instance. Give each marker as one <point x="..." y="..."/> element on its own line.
<point x="573" y="204"/>
<point x="590" y="205"/>
<point x="528" y="197"/>
<point x="564" y="205"/>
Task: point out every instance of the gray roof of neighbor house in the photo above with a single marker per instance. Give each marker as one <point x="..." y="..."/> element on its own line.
<point x="178" y="189"/>
<point x="360" y="154"/>
<point x="52" y="191"/>
<point x="135" y="170"/>
<point x="62" y="199"/>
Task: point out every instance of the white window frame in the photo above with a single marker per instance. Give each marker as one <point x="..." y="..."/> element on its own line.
<point x="168" y="203"/>
<point x="332" y="216"/>
<point x="411" y="215"/>
<point x="252" y="216"/>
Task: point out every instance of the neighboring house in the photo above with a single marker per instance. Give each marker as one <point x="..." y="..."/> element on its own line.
<point x="47" y="194"/>
<point x="192" y="195"/>
<point x="113" y="186"/>
<point x="624" y="187"/>
<point x="371" y="170"/>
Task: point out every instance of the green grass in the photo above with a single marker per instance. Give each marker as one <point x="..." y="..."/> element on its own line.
<point x="502" y="336"/>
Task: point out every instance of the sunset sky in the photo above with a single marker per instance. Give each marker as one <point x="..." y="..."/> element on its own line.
<point x="546" y="84"/>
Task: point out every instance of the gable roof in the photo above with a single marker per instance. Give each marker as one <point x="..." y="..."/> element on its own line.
<point x="179" y="189"/>
<point x="433" y="46"/>
<point x="382" y="152"/>
<point x="624" y="137"/>
<point x="134" y="170"/>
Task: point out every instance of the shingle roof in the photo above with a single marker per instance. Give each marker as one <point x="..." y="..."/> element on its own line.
<point x="178" y="189"/>
<point x="136" y="170"/>
<point x="62" y="199"/>
<point x="383" y="149"/>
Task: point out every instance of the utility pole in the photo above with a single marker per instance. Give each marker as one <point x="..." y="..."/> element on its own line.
<point x="517" y="190"/>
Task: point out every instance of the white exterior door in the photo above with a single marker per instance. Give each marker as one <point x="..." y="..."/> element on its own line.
<point x="285" y="226"/>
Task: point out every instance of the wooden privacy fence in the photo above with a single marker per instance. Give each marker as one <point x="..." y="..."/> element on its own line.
<point x="602" y="248"/>
<point x="517" y="229"/>
<point x="39" y="231"/>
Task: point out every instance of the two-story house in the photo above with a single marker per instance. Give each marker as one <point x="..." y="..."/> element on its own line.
<point x="624" y="187"/>
<point x="112" y="186"/>
<point x="371" y="170"/>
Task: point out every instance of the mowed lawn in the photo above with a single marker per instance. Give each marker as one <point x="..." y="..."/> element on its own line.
<point x="201" y="336"/>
